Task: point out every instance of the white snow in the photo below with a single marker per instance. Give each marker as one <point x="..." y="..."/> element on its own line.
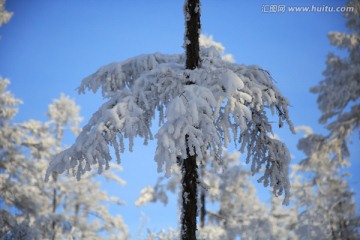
<point x="226" y="104"/>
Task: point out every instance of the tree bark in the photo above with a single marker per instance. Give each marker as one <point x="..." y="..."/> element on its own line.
<point x="192" y="19"/>
<point x="202" y="196"/>
<point x="189" y="166"/>
<point x="189" y="197"/>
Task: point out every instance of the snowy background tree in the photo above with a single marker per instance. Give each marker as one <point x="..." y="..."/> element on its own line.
<point x="324" y="193"/>
<point x="62" y="209"/>
<point x="240" y="213"/>
<point x="339" y="92"/>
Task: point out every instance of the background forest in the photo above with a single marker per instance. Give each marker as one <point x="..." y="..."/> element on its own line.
<point x="47" y="48"/>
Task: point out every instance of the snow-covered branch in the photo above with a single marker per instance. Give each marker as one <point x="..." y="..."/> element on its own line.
<point x="227" y="103"/>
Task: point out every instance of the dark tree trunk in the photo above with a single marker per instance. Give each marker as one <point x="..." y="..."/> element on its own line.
<point x="202" y="197"/>
<point x="203" y="209"/>
<point x="192" y="19"/>
<point x="76" y="214"/>
<point x="189" y="197"/>
<point x="54" y="207"/>
<point x="189" y="166"/>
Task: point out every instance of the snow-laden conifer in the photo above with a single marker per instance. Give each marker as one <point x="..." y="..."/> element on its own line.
<point x="227" y="103"/>
<point x="339" y="92"/>
<point x="62" y="209"/>
<point x="322" y="192"/>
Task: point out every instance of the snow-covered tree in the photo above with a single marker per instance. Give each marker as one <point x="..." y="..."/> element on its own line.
<point x="203" y="104"/>
<point x="323" y="193"/>
<point x="9" y="152"/>
<point x="62" y="209"/>
<point x="339" y="92"/>
<point x="225" y="184"/>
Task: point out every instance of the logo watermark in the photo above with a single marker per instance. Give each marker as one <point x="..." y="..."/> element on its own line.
<point x="281" y="8"/>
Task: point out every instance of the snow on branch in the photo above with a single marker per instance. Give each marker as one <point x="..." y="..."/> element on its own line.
<point x="227" y="103"/>
<point x="120" y="75"/>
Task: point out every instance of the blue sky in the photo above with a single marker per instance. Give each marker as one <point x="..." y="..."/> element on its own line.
<point x="48" y="47"/>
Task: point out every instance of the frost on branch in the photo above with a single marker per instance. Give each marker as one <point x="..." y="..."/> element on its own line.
<point x="227" y="103"/>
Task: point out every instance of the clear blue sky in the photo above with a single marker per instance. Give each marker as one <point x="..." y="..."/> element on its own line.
<point x="48" y="47"/>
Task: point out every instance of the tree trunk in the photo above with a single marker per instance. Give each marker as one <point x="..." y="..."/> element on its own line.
<point x="189" y="166"/>
<point x="192" y="19"/>
<point x="202" y="196"/>
<point x="76" y="214"/>
<point x="189" y="197"/>
<point x="54" y="207"/>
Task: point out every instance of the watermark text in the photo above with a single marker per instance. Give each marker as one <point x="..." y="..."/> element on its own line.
<point x="281" y="8"/>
